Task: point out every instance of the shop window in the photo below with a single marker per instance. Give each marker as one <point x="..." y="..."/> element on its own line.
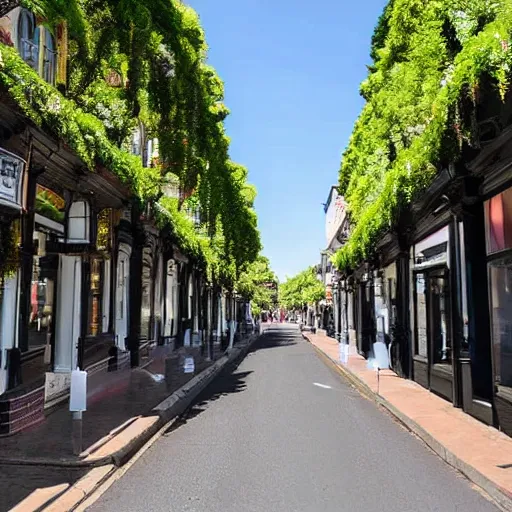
<point x="147" y="293"/>
<point x="498" y="212"/>
<point x="432" y="316"/>
<point x="500" y="274"/>
<point x="42" y="292"/>
<point x="421" y="315"/>
<point x="441" y="341"/>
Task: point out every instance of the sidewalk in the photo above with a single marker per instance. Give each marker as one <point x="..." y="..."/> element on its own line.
<point x="113" y="398"/>
<point x="481" y="453"/>
<point x="125" y="408"/>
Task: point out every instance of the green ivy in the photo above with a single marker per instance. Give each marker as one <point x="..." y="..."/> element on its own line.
<point x="83" y="132"/>
<point x="429" y="56"/>
<point x="253" y="285"/>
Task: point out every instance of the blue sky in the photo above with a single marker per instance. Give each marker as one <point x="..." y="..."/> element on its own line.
<point x="292" y="71"/>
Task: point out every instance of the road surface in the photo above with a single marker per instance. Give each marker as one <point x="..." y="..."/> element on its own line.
<point x="285" y="433"/>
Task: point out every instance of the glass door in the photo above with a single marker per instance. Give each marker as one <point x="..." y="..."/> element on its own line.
<point x="433" y="344"/>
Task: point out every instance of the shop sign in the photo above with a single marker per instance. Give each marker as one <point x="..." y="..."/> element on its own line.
<point x="11" y="174"/>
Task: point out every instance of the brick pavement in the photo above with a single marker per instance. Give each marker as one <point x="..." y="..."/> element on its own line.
<point x="468" y="444"/>
<point x="113" y="398"/>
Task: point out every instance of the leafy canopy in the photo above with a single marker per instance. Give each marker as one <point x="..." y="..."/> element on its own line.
<point x="301" y="290"/>
<point x="431" y="57"/>
<point x="255" y="284"/>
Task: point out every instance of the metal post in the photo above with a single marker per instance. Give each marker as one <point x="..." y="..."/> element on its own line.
<point x="76" y="434"/>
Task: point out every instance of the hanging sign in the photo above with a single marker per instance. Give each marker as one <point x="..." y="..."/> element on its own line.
<point x="11" y="174"/>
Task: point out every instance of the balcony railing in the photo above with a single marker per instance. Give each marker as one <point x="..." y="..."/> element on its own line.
<point x="30" y="53"/>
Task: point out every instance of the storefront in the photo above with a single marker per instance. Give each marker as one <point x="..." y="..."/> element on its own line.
<point x="432" y="354"/>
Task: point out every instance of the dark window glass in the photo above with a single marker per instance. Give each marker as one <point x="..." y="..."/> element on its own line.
<point x="421" y="315"/>
<point x="440" y="335"/>
<point x="42" y="294"/>
<point x="501" y="310"/>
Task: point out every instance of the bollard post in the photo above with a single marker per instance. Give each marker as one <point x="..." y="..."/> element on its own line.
<point x="76" y="433"/>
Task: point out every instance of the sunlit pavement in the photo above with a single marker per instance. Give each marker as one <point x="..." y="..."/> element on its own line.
<point x="284" y="433"/>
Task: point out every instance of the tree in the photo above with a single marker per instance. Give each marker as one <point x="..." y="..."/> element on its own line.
<point x="301" y="290"/>
<point x="258" y="284"/>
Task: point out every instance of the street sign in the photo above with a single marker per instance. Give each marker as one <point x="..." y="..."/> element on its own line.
<point x="78" y="394"/>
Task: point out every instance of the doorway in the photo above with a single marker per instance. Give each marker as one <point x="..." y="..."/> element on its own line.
<point x="433" y="344"/>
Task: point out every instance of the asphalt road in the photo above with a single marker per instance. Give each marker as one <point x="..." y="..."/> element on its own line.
<point x="285" y="433"/>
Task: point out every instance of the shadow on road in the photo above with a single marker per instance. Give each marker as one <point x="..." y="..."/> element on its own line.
<point x="228" y="382"/>
<point x="273" y="338"/>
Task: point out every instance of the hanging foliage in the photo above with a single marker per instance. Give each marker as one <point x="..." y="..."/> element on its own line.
<point x="132" y="62"/>
<point x="430" y="56"/>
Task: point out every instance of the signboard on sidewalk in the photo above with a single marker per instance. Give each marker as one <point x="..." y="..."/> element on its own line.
<point x="189" y="365"/>
<point x="344" y="349"/>
<point x="78" y="395"/>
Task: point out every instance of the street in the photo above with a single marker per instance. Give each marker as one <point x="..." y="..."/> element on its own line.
<point x="284" y="432"/>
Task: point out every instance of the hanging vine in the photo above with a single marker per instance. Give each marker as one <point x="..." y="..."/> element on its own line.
<point x="155" y="52"/>
<point x="429" y="56"/>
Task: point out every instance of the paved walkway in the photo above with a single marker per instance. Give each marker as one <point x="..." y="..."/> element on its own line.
<point x="285" y="433"/>
<point x="473" y="443"/>
<point x="113" y="399"/>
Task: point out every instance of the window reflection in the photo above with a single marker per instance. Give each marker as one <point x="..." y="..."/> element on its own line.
<point x="42" y="294"/>
<point x="501" y="306"/>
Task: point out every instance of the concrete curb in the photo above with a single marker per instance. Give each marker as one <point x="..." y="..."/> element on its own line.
<point x="168" y="409"/>
<point x="501" y="496"/>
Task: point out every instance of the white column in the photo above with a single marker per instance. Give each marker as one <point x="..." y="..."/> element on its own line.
<point x="68" y="313"/>
<point x="9" y="302"/>
<point x="107" y="265"/>
<point x="122" y="294"/>
<point x="169" y="303"/>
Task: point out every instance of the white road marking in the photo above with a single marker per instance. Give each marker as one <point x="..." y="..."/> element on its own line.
<point x="321" y="385"/>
